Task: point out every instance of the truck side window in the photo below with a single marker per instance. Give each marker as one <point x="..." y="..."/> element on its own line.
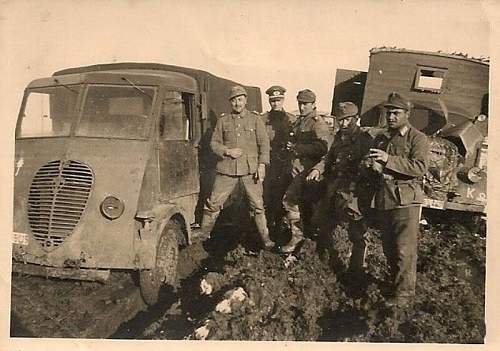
<point x="177" y="113"/>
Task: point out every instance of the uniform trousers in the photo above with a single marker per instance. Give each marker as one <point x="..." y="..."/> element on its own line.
<point x="399" y="238"/>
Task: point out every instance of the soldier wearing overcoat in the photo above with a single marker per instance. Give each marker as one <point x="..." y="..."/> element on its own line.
<point x="279" y="125"/>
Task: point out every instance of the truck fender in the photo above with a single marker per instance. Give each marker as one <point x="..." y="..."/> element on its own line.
<point x="154" y="222"/>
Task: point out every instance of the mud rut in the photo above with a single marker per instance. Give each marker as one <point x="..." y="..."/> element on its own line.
<point x="229" y="290"/>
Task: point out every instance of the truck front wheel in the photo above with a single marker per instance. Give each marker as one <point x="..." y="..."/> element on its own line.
<point x="164" y="273"/>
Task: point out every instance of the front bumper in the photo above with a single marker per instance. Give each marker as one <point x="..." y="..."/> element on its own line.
<point x="98" y="275"/>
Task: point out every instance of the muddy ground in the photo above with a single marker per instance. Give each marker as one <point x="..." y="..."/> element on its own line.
<point x="229" y="290"/>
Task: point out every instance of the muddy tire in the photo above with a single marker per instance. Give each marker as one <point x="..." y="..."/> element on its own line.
<point x="151" y="281"/>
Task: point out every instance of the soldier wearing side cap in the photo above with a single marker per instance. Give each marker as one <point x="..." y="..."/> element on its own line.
<point x="241" y="144"/>
<point x="309" y="145"/>
<point x="279" y="126"/>
<point x="340" y="169"/>
<point x="401" y="156"/>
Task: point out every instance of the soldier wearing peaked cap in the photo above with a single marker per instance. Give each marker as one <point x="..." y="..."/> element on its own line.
<point x="278" y="124"/>
<point x="401" y="153"/>
<point x="340" y="202"/>
<point x="241" y="144"/>
<point x="309" y="145"/>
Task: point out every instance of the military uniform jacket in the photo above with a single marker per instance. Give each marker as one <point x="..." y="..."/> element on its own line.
<point x="245" y="131"/>
<point x="311" y="142"/>
<point x="401" y="182"/>
<point x="345" y="154"/>
<point x="278" y="125"/>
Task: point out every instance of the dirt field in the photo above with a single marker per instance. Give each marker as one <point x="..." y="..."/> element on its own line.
<point x="230" y="291"/>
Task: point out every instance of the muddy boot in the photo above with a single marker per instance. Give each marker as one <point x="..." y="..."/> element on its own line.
<point x="260" y="221"/>
<point x="297" y="235"/>
<point x="357" y="261"/>
<point x="208" y="223"/>
<point x="292" y="244"/>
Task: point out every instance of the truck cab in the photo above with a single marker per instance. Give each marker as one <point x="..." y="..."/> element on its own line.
<point x="111" y="164"/>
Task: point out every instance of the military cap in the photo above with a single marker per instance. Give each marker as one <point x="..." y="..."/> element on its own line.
<point x="237" y="90"/>
<point x="395" y="100"/>
<point x="346" y="109"/>
<point x="306" y="95"/>
<point x="276" y="92"/>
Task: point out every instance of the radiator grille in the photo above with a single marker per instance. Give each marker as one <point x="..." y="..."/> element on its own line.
<point x="57" y="198"/>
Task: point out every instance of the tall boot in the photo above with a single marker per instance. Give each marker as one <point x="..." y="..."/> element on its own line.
<point x="324" y="244"/>
<point x="261" y="223"/>
<point x="358" y="256"/>
<point x="208" y="223"/>
<point x="297" y="235"/>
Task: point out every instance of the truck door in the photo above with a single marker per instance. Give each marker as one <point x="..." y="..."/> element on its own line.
<point x="178" y="154"/>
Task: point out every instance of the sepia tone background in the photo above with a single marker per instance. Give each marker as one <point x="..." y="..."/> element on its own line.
<point x="296" y="43"/>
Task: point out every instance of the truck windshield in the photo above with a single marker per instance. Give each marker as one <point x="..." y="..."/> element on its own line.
<point x="116" y="112"/>
<point x="48" y="112"/>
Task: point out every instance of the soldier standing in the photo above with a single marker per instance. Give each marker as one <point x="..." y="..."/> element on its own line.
<point x="241" y="143"/>
<point x="401" y="156"/>
<point x="279" y="126"/>
<point x="309" y="145"/>
<point x="340" y="168"/>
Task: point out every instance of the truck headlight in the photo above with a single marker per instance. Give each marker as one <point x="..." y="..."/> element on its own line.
<point x="112" y="207"/>
<point x="472" y="174"/>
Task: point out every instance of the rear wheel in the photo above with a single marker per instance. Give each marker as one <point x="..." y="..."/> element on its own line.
<point x="164" y="273"/>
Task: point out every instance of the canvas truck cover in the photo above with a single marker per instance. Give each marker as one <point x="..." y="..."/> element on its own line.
<point x="216" y="88"/>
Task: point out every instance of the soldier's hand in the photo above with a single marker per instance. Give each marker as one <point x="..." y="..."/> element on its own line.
<point x="377" y="167"/>
<point x="261" y="172"/>
<point x="313" y="175"/>
<point x="290" y="146"/>
<point x="234" y="153"/>
<point x="379" y="155"/>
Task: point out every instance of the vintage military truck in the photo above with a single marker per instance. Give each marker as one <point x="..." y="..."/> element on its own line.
<point x="450" y="97"/>
<point x="108" y="161"/>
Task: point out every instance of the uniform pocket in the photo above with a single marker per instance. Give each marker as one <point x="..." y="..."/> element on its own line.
<point x="252" y="163"/>
<point x="406" y="194"/>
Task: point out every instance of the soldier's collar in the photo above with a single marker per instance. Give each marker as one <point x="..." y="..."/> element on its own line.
<point x="311" y="114"/>
<point x="351" y="133"/>
<point x="404" y="129"/>
<point x="239" y="115"/>
<point x="401" y="131"/>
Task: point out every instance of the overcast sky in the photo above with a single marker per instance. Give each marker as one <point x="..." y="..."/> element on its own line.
<point x="298" y="44"/>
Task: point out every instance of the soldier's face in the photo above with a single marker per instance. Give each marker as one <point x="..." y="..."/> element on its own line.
<point x="306" y="107"/>
<point x="348" y="122"/>
<point x="238" y="103"/>
<point x="276" y="104"/>
<point x="396" y="117"/>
